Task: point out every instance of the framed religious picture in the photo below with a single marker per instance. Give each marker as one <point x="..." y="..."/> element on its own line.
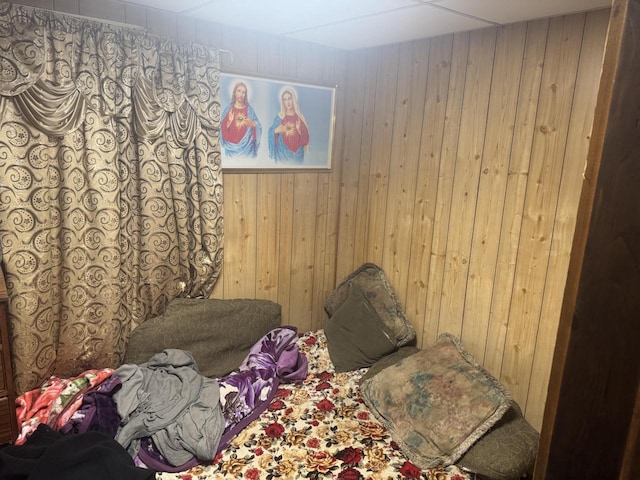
<point x="271" y="124"/>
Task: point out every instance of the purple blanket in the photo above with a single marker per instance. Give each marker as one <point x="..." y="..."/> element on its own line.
<point x="247" y="392"/>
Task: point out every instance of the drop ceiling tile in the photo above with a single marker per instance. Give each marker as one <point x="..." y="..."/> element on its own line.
<point x="351" y="24"/>
<point x="393" y="27"/>
<point x="174" y="6"/>
<point x="510" y="11"/>
<point x="285" y="16"/>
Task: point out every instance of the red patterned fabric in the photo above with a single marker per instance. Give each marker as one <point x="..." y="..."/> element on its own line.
<point x="321" y="429"/>
<point x="56" y="401"/>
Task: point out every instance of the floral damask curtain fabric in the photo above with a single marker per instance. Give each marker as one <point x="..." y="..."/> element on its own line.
<point x="110" y="185"/>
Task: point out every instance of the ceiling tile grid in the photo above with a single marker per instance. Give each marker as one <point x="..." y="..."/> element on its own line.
<point x="355" y="24"/>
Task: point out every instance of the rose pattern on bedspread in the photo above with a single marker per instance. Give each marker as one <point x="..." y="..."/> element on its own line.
<point x="320" y="430"/>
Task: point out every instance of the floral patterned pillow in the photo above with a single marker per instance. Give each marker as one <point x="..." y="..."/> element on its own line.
<point x="436" y="403"/>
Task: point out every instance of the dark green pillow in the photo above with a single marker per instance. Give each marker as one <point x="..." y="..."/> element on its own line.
<point x="356" y="336"/>
<point x="373" y="282"/>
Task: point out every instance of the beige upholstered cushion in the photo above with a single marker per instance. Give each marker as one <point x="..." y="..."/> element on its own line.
<point x="436" y="403"/>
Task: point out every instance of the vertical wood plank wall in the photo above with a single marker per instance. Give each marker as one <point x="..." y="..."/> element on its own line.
<point x="468" y="191"/>
<point x="457" y="166"/>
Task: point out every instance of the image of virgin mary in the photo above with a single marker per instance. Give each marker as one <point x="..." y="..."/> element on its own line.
<point x="289" y="133"/>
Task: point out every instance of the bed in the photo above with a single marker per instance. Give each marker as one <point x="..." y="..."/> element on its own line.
<point x="320" y="428"/>
<point x="354" y="400"/>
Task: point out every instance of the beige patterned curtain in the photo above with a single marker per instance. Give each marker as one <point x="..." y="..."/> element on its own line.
<point x="110" y="185"/>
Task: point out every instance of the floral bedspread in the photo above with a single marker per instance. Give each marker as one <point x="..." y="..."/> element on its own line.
<point x="318" y="430"/>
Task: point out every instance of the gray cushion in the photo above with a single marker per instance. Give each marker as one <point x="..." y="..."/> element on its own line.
<point x="374" y="283"/>
<point x="218" y="333"/>
<point x="388" y="360"/>
<point x="507" y="451"/>
<point x="356" y="336"/>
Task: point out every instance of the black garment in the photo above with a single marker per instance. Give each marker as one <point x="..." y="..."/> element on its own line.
<point x="49" y="455"/>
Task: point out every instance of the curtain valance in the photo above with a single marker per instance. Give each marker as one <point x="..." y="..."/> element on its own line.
<point x="55" y="66"/>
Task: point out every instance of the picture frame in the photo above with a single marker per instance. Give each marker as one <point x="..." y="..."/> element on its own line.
<point x="273" y="124"/>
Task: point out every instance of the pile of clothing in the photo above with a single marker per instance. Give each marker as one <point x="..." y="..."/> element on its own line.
<point x="163" y="413"/>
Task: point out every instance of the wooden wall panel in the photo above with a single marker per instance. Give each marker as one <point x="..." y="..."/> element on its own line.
<point x="137" y="15"/>
<point x="440" y="51"/>
<point x="111" y="10"/>
<point x="456" y="167"/>
<point x="163" y="24"/>
<point x="268" y="236"/>
<point x="545" y="170"/>
<point x="285" y="241"/>
<point x="316" y="309"/>
<point x="529" y="92"/>
<point x="303" y="249"/>
<point x="351" y="182"/>
<point x="239" y="281"/>
<point x="448" y="155"/>
<point x="575" y="155"/>
<point x="497" y="207"/>
<point x="366" y="146"/>
<point x="494" y="172"/>
<point x="66" y="6"/>
<point x="381" y="141"/>
<point x="464" y="195"/>
<point x="329" y="274"/>
<point x="405" y="150"/>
